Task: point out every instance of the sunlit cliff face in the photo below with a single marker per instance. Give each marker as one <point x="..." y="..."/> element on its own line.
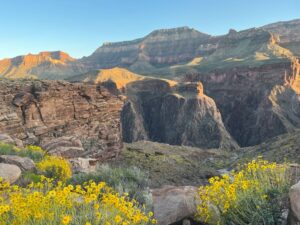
<point x="23" y="65"/>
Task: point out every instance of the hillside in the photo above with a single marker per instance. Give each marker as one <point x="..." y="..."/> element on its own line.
<point x="281" y="148"/>
<point x="119" y="76"/>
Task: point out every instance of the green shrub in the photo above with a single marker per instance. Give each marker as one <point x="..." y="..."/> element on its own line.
<point x="129" y="180"/>
<point x="27" y="178"/>
<point x="34" y="152"/>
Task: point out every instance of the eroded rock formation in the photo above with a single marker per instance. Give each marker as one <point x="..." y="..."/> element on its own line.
<point x="40" y="111"/>
<point x="256" y="103"/>
<point x="178" y="114"/>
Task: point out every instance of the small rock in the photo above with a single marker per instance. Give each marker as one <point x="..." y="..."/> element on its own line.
<point x="10" y="173"/>
<point x="19" y="143"/>
<point x="83" y="165"/>
<point x="25" y="163"/>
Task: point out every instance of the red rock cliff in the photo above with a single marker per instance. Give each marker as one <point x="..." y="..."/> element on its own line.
<point x="39" y="111"/>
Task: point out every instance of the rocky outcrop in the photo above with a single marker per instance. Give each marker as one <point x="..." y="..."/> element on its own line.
<point x="288" y="33"/>
<point x="67" y="147"/>
<point x="178" y="114"/>
<point x="256" y="103"/>
<point x="10" y="173"/>
<point x="45" y="65"/>
<point x="174" y="204"/>
<point x="38" y="112"/>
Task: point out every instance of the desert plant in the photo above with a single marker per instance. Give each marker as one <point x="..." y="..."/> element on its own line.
<point x="34" y="152"/>
<point x="255" y="194"/>
<point x="48" y="203"/>
<point x="55" y="167"/>
<point x="129" y="180"/>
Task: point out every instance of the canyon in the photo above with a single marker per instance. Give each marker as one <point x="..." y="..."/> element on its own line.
<point x="250" y="79"/>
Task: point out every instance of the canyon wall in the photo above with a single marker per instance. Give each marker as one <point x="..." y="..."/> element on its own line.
<point x="40" y="111"/>
<point x="177" y="114"/>
<point x="256" y="103"/>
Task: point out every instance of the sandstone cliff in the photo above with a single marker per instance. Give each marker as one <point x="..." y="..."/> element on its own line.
<point x="45" y="65"/>
<point x="256" y="103"/>
<point x="39" y="111"/>
<point x="160" y="47"/>
<point x="178" y="114"/>
<point x="173" y="52"/>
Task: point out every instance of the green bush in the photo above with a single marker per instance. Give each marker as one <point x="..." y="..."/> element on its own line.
<point x="27" y="178"/>
<point x="129" y="180"/>
<point x="34" y="152"/>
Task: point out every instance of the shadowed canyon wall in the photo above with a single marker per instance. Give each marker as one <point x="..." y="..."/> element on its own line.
<point x="178" y="114"/>
<point x="256" y="103"/>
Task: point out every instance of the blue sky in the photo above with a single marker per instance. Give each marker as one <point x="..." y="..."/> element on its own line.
<point x="80" y="26"/>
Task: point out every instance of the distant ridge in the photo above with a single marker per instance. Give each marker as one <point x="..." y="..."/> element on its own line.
<point x="169" y="53"/>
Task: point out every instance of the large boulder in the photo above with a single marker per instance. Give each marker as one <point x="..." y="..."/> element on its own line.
<point x="67" y="147"/>
<point x="25" y="163"/>
<point x="174" y="204"/>
<point x="10" y="173"/>
<point x="294" y="213"/>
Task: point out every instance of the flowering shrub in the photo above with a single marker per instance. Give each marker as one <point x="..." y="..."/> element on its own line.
<point x="55" y="167"/>
<point x="46" y="203"/>
<point x="34" y="152"/>
<point x="34" y="148"/>
<point x="254" y="195"/>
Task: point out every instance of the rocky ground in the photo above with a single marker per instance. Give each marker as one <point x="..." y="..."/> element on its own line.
<point x="174" y="165"/>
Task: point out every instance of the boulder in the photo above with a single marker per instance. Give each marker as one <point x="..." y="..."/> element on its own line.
<point x="24" y="163"/>
<point x="173" y="204"/>
<point x="83" y="165"/>
<point x="67" y="147"/>
<point x="294" y="213"/>
<point x="10" y="173"/>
